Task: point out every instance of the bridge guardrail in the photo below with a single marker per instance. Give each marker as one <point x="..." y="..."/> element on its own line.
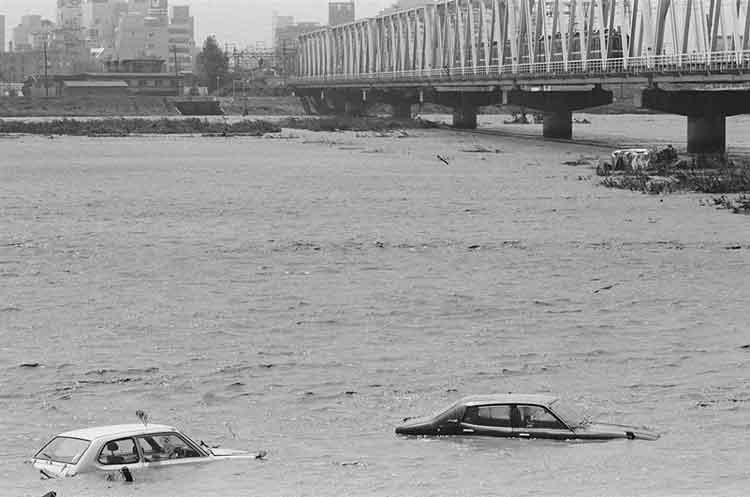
<point x="714" y="62"/>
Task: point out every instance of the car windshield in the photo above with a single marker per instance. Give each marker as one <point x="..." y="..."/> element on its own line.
<point x="570" y="415"/>
<point x="63" y="449"/>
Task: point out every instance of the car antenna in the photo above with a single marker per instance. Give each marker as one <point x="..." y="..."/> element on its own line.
<point x="142" y="416"/>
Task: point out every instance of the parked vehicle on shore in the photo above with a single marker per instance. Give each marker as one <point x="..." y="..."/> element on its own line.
<point x="518" y="416"/>
<point x="127" y="449"/>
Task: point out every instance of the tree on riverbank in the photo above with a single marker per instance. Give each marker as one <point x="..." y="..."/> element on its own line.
<point x="213" y="65"/>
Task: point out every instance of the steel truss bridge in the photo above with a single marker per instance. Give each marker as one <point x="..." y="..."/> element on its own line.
<point x="467" y="53"/>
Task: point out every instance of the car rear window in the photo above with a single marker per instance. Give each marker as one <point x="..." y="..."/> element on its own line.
<point x="63" y="449"/>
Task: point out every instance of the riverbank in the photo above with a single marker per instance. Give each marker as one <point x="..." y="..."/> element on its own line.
<point x="210" y="127"/>
<point x="141" y="106"/>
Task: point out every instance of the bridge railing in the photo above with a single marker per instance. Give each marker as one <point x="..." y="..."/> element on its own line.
<point x="714" y="62"/>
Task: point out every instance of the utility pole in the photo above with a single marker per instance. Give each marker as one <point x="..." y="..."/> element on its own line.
<point x="46" y="80"/>
<point x="176" y="70"/>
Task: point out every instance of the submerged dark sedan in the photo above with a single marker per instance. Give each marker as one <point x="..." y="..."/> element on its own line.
<point x="518" y="416"/>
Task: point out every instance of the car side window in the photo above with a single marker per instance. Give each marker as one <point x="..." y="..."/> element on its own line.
<point x="117" y="452"/>
<point x="538" y="417"/>
<point x="488" y="416"/>
<point x="165" y="446"/>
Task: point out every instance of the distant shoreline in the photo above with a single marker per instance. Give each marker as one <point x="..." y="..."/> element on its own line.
<point x="86" y="107"/>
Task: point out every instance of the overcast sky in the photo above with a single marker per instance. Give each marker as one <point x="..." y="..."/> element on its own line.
<point x="240" y="21"/>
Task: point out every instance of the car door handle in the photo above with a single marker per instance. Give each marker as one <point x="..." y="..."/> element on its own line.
<point x="468" y="430"/>
<point x="524" y="435"/>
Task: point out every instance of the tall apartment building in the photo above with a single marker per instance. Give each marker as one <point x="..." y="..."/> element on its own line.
<point x="143" y="33"/>
<point x="70" y="14"/>
<point x="101" y="18"/>
<point x="181" y="40"/>
<point x="340" y="12"/>
<point x="279" y="23"/>
<point x="23" y="34"/>
<point x="158" y="8"/>
<point x="2" y="33"/>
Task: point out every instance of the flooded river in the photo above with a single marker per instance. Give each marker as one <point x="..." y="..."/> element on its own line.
<point x="302" y="295"/>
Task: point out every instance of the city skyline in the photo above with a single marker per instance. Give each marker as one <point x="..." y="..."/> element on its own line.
<point x="241" y="22"/>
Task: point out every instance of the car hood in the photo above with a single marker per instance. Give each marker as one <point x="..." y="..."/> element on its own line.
<point x="631" y="432"/>
<point x="219" y="452"/>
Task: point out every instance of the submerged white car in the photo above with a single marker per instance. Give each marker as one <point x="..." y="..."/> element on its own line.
<point x="125" y="449"/>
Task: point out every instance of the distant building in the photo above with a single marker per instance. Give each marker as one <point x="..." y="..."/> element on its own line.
<point x="286" y="41"/>
<point x="135" y="82"/>
<point x="142" y="36"/>
<point x="138" y="7"/>
<point x="181" y="40"/>
<point x="286" y="37"/>
<point x="405" y="4"/>
<point x="278" y="23"/>
<point x="100" y="19"/>
<point x="340" y="12"/>
<point x="23" y="33"/>
<point x="70" y="14"/>
<point x="17" y="67"/>
<point x="2" y="33"/>
<point x="159" y="9"/>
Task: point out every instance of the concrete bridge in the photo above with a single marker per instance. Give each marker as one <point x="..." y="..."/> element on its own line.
<point x="688" y="57"/>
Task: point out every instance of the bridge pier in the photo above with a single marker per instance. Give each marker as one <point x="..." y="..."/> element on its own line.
<point x="707" y="134"/>
<point x="465" y="103"/>
<point x="401" y="109"/>
<point x="558" y="124"/>
<point x="558" y="107"/>
<point x="465" y="116"/>
<point x="706" y="112"/>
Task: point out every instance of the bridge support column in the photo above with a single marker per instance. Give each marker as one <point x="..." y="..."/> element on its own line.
<point x="558" y="107"/>
<point x="402" y="109"/>
<point x="558" y="124"/>
<point x="706" y="112"/>
<point x="465" y="115"/>
<point x="707" y="134"/>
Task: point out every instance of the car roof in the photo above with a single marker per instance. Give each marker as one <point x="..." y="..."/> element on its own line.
<point x="508" y="398"/>
<point x="116" y="431"/>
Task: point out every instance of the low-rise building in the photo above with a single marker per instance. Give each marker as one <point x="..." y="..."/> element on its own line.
<point x="138" y="83"/>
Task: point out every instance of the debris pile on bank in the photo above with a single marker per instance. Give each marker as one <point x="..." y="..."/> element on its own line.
<point x="664" y="171"/>
<point x="738" y="205"/>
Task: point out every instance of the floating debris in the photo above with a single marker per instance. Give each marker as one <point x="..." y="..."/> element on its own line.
<point x="609" y="287"/>
<point x="664" y="171"/>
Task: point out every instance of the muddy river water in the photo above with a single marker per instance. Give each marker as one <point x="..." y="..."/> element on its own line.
<point x="303" y="294"/>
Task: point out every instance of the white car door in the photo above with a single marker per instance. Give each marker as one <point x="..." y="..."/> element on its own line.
<point x="169" y="449"/>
